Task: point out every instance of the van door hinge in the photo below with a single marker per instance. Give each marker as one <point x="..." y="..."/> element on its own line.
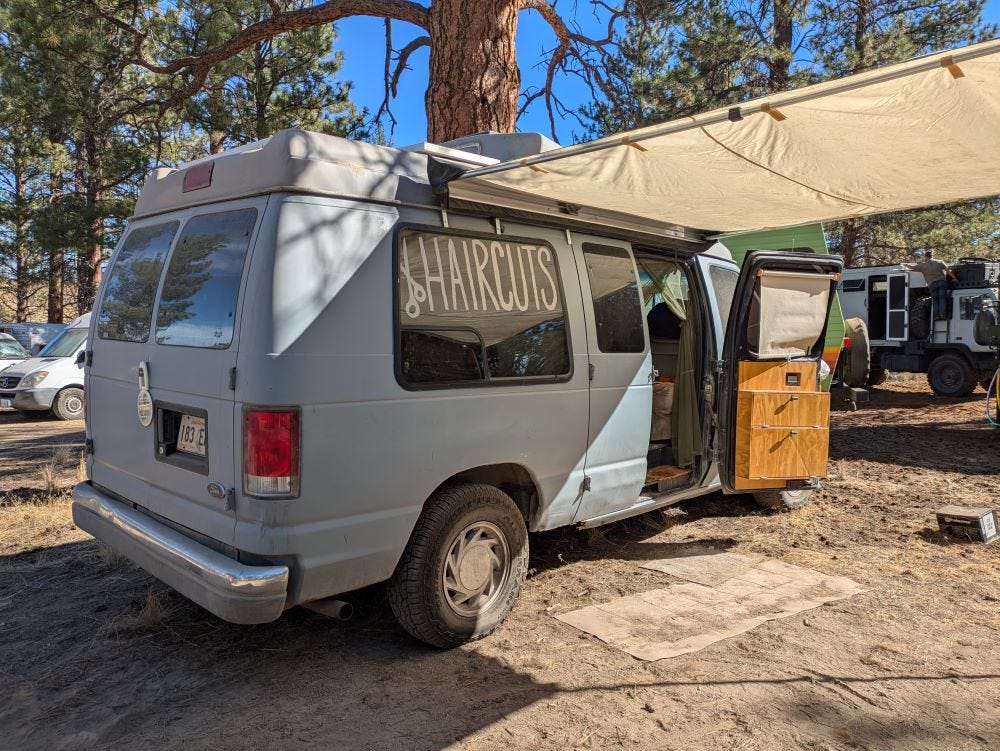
<point x="232" y="379"/>
<point x="88" y="447"/>
<point x="586" y="483"/>
<point x="718" y="366"/>
<point x="591" y="371"/>
<point x="88" y="357"/>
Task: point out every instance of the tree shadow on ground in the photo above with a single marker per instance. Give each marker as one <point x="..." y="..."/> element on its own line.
<point x="107" y="673"/>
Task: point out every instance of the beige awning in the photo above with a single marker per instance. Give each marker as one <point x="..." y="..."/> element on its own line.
<point x="919" y="133"/>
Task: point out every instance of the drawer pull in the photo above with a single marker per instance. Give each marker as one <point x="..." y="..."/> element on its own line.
<point x="793" y="432"/>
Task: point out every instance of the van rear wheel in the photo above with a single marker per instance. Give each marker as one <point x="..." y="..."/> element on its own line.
<point x="463" y="568"/>
<point x="68" y="404"/>
<point x="784" y="500"/>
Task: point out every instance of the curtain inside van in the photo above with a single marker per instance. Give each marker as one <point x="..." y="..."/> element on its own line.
<point x="664" y="281"/>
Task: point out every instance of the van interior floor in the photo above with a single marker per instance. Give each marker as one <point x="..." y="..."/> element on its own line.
<point x="666" y="477"/>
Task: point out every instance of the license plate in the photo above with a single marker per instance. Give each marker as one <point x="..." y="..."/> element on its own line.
<point x="6" y="402"/>
<point x="191" y="435"/>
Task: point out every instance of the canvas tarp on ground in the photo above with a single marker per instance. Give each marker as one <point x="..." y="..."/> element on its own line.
<point x="919" y="133"/>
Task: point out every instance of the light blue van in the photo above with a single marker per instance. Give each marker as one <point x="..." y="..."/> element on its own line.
<point x="308" y="371"/>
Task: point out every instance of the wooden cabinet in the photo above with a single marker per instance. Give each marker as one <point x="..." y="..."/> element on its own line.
<point x="773" y="408"/>
<point x="782" y="425"/>
<point x="787" y="453"/>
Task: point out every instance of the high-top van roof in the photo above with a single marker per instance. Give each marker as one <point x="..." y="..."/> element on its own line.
<point x="299" y="161"/>
<point x="294" y="161"/>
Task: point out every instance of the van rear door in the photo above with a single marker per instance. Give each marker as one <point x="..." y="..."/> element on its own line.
<point x="774" y="419"/>
<point x="160" y="385"/>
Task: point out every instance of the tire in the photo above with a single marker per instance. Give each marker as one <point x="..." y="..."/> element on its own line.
<point x="783" y="500"/>
<point x="951" y="375"/>
<point x="877" y="377"/>
<point x="920" y="318"/>
<point x="69" y="404"/>
<point x="858" y="360"/>
<point x="419" y="592"/>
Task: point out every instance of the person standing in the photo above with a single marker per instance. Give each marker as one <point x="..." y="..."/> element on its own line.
<point x="937" y="275"/>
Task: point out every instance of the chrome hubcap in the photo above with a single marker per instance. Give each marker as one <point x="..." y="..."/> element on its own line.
<point x="74" y="404"/>
<point x="475" y="569"/>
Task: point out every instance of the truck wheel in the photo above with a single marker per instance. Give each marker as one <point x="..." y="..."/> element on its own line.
<point x="877" y="377"/>
<point x="783" y="500"/>
<point x="68" y="404"/>
<point x="463" y="568"/>
<point x="951" y="375"/>
<point x="857" y="364"/>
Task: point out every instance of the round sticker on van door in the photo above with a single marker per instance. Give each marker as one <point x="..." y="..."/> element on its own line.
<point x="144" y="407"/>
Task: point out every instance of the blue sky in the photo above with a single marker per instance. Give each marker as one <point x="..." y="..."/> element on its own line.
<point x="362" y="41"/>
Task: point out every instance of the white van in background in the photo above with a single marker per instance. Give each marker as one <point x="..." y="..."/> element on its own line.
<point x="11" y="352"/>
<point x="52" y="381"/>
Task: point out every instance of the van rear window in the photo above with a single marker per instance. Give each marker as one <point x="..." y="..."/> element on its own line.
<point x="198" y="302"/>
<point x="127" y="308"/>
<point x="477" y="309"/>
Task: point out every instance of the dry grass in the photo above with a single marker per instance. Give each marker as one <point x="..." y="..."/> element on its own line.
<point x="111" y="558"/>
<point x="52" y="475"/>
<point x="42" y="520"/>
<point x="152" y="616"/>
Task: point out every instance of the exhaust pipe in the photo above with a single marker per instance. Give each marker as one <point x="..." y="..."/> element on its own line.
<point x="332" y="608"/>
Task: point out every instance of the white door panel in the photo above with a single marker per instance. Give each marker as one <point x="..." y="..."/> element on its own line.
<point x="621" y="391"/>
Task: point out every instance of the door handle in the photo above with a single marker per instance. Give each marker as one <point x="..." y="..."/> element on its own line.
<point x="143" y="371"/>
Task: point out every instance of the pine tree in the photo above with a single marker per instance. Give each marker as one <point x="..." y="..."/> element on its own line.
<point x="282" y="82"/>
<point x="714" y="53"/>
<point x="23" y="163"/>
<point x="86" y="91"/>
<point x="857" y="35"/>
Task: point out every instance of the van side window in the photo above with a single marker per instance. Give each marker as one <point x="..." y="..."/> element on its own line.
<point x="724" y="288"/>
<point x="478" y="309"/>
<point x="198" y="302"/>
<point x="617" y="304"/>
<point x="127" y="308"/>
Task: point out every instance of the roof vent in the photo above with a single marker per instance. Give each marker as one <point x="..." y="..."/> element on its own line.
<point x="503" y="146"/>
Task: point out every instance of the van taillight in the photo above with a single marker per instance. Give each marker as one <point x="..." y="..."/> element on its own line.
<point x="847" y="342"/>
<point x="271" y="453"/>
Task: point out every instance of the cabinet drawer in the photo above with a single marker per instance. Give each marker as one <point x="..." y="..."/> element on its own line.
<point x="782" y="408"/>
<point x="788" y="453"/>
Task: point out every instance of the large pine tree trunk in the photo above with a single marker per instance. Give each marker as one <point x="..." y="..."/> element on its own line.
<point x="55" y="297"/>
<point x="89" y="261"/>
<point x="781" y="61"/>
<point x="474" y="79"/>
<point x="57" y="257"/>
<point x="849" y="239"/>
<point x="22" y="262"/>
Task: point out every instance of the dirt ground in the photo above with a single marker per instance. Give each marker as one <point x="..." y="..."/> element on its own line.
<point x="95" y="654"/>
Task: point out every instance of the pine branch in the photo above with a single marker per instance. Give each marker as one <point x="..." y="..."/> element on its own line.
<point x="196" y="68"/>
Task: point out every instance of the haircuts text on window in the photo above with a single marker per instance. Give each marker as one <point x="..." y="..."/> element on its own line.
<point x="478" y="308"/>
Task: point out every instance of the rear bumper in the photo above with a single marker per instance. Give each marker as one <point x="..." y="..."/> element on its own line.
<point x="233" y="591"/>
